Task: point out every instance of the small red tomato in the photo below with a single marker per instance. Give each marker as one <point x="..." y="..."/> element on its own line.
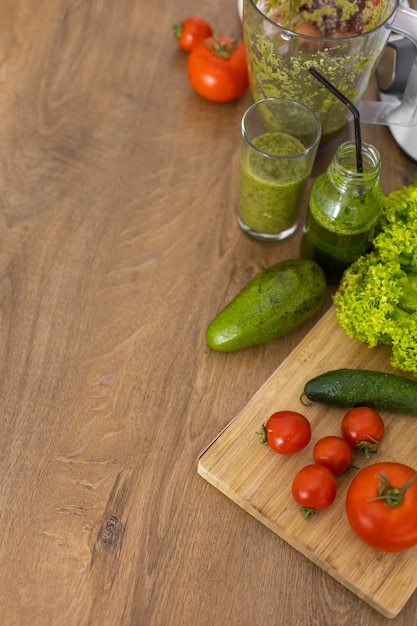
<point x="314" y="488"/>
<point x="334" y="453"/>
<point x="192" y="30"/>
<point x="381" y="506"/>
<point x="363" y="428"/>
<point x="286" y="432"/>
<point x="217" y="69"/>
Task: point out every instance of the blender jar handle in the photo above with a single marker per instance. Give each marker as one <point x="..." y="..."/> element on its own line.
<point x="391" y="110"/>
<point x="405" y="23"/>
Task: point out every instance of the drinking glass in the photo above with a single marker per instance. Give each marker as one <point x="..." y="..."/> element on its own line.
<point x="278" y="147"/>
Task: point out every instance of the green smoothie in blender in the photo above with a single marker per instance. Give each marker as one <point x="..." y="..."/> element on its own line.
<point x="341" y="39"/>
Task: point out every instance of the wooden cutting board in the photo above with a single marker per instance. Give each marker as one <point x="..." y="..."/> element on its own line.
<point x="241" y="467"/>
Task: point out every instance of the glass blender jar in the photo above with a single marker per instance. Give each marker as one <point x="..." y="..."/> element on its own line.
<point x="342" y="39"/>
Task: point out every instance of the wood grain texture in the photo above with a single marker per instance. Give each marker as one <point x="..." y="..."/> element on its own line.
<point x="259" y="480"/>
<point x="118" y="244"/>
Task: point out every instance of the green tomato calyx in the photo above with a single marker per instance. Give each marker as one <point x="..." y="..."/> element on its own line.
<point x="221" y="49"/>
<point x="392" y="496"/>
<point x="367" y="447"/>
<point x="262" y="434"/>
<point x="307" y="511"/>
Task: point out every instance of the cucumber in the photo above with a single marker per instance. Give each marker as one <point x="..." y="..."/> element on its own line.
<point x="358" y="387"/>
<point x="274" y="303"/>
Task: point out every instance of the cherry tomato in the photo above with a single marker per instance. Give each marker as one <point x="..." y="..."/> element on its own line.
<point x="314" y="488"/>
<point x="334" y="453"/>
<point x="286" y="432"/>
<point x="217" y="69"/>
<point x="381" y="506"/>
<point x="363" y="428"/>
<point x="191" y="31"/>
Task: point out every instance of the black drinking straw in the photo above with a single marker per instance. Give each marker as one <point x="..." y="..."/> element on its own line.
<point x="352" y="109"/>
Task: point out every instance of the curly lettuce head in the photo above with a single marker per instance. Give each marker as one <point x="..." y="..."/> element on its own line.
<point x="397" y="239"/>
<point x="376" y="301"/>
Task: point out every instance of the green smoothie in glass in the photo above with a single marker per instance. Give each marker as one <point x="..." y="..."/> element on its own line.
<point x="278" y="146"/>
<point x="271" y="188"/>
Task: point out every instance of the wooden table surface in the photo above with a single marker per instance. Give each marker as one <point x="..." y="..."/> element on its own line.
<point x="118" y="245"/>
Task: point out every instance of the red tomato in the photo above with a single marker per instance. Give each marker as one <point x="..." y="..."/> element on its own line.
<point x="286" y="432"/>
<point x="334" y="453"/>
<point x="217" y="69"/>
<point x="363" y="428"/>
<point x="191" y="31"/>
<point x="314" y="488"/>
<point x="381" y="506"/>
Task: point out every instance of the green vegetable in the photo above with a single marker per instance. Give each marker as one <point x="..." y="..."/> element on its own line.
<point x="376" y="301"/>
<point x="274" y="303"/>
<point x="355" y="387"/>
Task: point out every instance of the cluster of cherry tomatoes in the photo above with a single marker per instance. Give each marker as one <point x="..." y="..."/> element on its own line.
<point x="216" y="66"/>
<point x="381" y="501"/>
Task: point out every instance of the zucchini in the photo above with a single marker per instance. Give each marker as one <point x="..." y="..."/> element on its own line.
<point x="358" y="387"/>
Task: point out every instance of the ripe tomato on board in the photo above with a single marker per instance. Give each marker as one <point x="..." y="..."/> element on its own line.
<point x="286" y="432"/>
<point x="314" y="488"/>
<point x="334" y="453"/>
<point x="381" y="506"/>
<point x="363" y="428"/>
<point x="191" y="31"/>
<point x="217" y="69"/>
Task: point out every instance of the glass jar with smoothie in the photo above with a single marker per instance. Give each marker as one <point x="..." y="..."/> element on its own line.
<point x="344" y="208"/>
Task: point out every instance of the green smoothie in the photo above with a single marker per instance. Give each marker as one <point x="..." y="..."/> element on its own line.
<point x="332" y="244"/>
<point x="271" y="187"/>
<point x="340" y="41"/>
<point x="343" y="212"/>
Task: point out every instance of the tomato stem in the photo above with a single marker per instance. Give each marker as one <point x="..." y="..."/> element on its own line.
<point x="262" y="434"/>
<point x="177" y="30"/>
<point x="352" y="464"/>
<point x="307" y="511"/>
<point x="222" y="50"/>
<point x="367" y="447"/>
<point x="392" y="496"/>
